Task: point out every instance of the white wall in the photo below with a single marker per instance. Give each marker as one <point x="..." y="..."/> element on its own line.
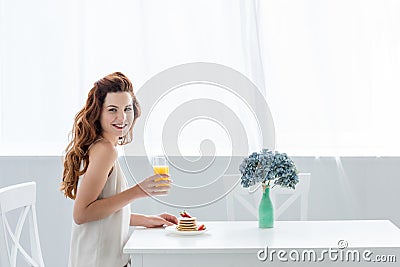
<point x="345" y="188"/>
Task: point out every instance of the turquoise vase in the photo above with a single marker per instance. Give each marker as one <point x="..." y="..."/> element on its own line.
<point x="265" y="210"/>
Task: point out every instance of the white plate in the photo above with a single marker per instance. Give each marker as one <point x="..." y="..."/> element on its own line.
<point x="172" y="229"/>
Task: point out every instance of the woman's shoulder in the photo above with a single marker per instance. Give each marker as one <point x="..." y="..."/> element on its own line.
<point x="104" y="149"/>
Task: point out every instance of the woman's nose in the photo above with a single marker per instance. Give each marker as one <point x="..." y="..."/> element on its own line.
<point x="121" y="115"/>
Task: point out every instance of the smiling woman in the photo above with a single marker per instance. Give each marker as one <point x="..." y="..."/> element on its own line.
<point x="106" y="101"/>
<point x="101" y="209"/>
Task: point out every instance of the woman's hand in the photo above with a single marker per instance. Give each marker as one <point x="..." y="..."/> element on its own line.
<point x="160" y="220"/>
<point x="155" y="185"/>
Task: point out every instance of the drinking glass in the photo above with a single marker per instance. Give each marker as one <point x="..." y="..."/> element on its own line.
<point x="160" y="166"/>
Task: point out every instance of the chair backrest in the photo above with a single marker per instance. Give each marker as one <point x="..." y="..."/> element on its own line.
<point x="20" y="196"/>
<point x="249" y="198"/>
<point x="301" y="193"/>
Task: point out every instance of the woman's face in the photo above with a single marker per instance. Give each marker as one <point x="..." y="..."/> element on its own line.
<point x="117" y="115"/>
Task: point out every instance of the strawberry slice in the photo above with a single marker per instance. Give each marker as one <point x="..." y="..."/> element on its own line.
<point x="201" y="227"/>
<point x="184" y="214"/>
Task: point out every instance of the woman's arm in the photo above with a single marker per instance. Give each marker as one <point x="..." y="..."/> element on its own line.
<point x="87" y="207"/>
<point x="153" y="221"/>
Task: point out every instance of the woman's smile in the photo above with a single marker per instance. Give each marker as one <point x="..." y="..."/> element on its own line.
<point x="120" y="127"/>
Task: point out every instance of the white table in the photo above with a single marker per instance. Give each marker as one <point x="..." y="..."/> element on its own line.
<point x="237" y="243"/>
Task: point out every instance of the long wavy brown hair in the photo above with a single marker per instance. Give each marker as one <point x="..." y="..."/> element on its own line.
<point x="87" y="129"/>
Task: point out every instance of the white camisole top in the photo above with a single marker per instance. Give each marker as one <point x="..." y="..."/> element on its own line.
<point x="99" y="243"/>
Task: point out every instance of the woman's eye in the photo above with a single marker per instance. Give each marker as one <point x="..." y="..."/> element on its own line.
<point x="112" y="109"/>
<point x="128" y="109"/>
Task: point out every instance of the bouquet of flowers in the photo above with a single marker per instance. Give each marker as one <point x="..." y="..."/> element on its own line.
<point x="269" y="168"/>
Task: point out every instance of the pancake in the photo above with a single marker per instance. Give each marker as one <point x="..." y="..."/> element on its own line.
<point x="187" y="224"/>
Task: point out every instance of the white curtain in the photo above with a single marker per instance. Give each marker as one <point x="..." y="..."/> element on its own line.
<point x="332" y="75"/>
<point x="39" y="75"/>
<point x="328" y="69"/>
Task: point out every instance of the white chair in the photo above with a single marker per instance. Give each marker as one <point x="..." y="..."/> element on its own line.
<point x="20" y="196"/>
<point x="249" y="198"/>
<point x="301" y="193"/>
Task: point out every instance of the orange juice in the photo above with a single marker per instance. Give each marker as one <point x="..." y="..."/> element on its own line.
<point x="161" y="170"/>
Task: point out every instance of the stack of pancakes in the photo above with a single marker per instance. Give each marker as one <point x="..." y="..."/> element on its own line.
<point x="187" y="224"/>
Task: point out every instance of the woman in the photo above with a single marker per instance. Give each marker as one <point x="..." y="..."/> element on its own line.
<point x="101" y="208"/>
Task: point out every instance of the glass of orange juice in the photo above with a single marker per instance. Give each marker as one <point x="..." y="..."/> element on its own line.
<point x="160" y="166"/>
